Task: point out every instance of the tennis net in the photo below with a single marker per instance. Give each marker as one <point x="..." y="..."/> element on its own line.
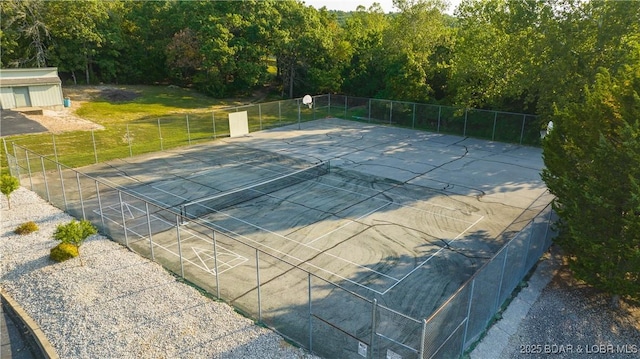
<point x="207" y="205"/>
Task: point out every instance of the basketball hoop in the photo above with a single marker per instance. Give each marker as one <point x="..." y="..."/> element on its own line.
<point x="545" y="132"/>
<point x="307" y="100"/>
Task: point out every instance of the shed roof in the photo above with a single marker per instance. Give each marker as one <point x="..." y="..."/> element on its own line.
<point x="30" y="81"/>
<point x="29" y="76"/>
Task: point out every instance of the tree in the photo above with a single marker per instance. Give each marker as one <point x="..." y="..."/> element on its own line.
<point x="410" y="44"/>
<point x="183" y="56"/>
<point x="77" y="34"/>
<point x="364" y="30"/>
<point x="592" y="159"/>
<point x="8" y="184"/>
<point x="24" y="34"/>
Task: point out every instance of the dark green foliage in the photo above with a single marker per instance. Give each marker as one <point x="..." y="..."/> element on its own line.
<point x="593" y="167"/>
<point x="26" y="228"/>
<point x="74" y="232"/>
<point x="63" y="252"/>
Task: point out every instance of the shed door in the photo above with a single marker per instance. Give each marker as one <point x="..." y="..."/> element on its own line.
<point x="22" y="96"/>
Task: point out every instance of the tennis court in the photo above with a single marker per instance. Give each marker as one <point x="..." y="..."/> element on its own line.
<point x="286" y="216"/>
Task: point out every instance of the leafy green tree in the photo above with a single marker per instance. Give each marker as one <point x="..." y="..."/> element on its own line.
<point x="24" y="33"/>
<point x="364" y="30"/>
<point x="77" y="34"/>
<point x="592" y="159"/>
<point x="497" y="53"/>
<point x="410" y="44"/>
<point x="8" y="184"/>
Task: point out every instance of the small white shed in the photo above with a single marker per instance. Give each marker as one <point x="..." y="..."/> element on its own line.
<point x="35" y="87"/>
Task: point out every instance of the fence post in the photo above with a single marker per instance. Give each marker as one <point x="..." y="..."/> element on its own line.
<point x="258" y="281"/>
<point x="528" y="247"/>
<point x="95" y="149"/>
<point x="310" y="314"/>
<point x="373" y="326"/>
<point x="413" y="121"/>
<point x="369" y="116"/>
<point x="423" y="339"/>
<point x="390" y="111"/>
<point x="146" y="208"/>
<point x="260" y="115"/>
<point x="464" y="131"/>
<point x="188" y="130"/>
<point x="346" y="106"/>
<point x="160" y="136"/>
<point x="213" y="121"/>
<point x="180" y="246"/>
<point x="280" y="113"/>
<point x="99" y="203"/>
<point x="55" y="148"/>
<point x="124" y="221"/>
<point x="64" y="193"/>
<point x="129" y="141"/>
<point x="26" y="153"/>
<point x="44" y="176"/>
<point x="504" y="263"/>
<point x="329" y="104"/>
<point x="466" y="325"/>
<point x="439" y="116"/>
<point x="524" y="119"/>
<point x="84" y="216"/>
<point x="495" y="119"/>
<point x="298" y="102"/>
<point x="215" y="264"/>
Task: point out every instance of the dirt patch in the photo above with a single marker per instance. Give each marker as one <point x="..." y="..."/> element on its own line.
<point x="65" y="120"/>
<point x="117" y="95"/>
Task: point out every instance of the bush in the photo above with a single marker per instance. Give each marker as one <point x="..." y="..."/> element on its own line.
<point x="26" y="228"/>
<point x="64" y="251"/>
<point x="74" y="232"/>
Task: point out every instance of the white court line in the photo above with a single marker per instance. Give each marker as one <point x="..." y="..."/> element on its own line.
<point x="193" y="235"/>
<point x="393" y="279"/>
<point x="403" y="205"/>
<point x="129" y="190"/>
<point x="351" y="221"/>
<point x="298" y="259"/>
<point x="300" y="243"/>
<point x="288" y="255"/>
<point x="433" y="255"/>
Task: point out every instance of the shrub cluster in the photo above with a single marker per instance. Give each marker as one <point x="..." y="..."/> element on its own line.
<point x="64" y="251"/>
<point x="26" y="228"/>
<point x="72" y="235"/>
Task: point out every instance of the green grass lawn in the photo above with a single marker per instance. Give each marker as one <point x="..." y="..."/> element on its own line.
<point x="137" y="119"/>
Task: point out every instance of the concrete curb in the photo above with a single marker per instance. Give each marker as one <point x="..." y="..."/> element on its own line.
<point x="34" y="329"/>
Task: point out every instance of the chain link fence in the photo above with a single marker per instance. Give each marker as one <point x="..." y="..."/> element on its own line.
<point x="305" y="312"/>
<point x="158" y="134"/>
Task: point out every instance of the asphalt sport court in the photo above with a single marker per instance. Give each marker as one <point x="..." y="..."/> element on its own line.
<point x="404" y="217"/>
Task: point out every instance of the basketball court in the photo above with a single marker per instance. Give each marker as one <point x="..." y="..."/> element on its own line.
<point x="400" y="216"/>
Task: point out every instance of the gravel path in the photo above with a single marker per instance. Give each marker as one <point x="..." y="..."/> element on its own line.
<point x="112" y="303"/>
